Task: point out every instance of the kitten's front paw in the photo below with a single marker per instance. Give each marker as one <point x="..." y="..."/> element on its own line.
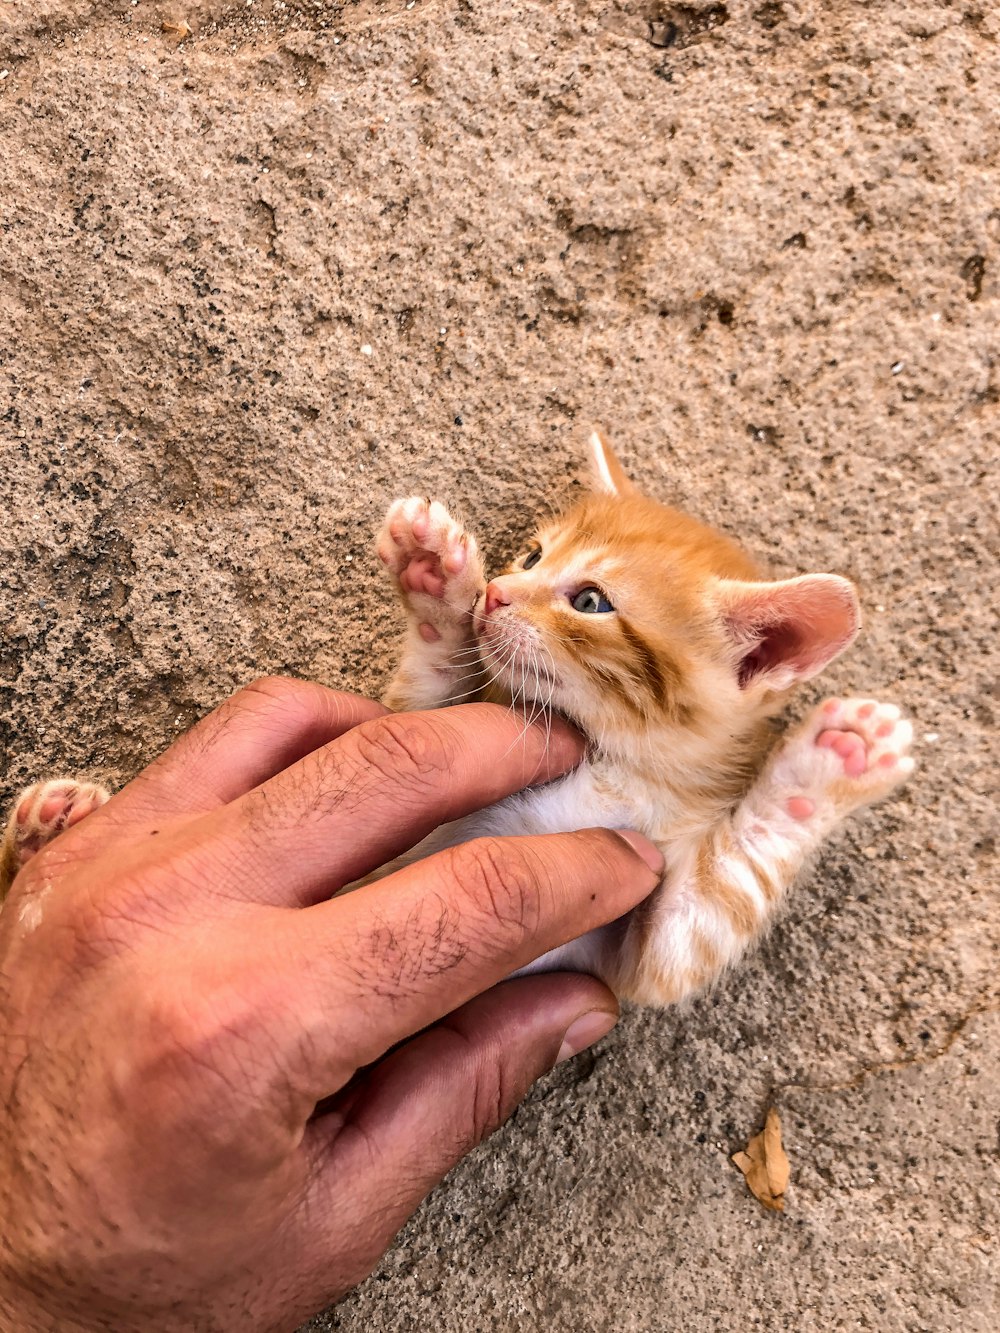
<point x="436" y="563"/>
<point x="44" y="810"/>
<point x="848" y="753"/>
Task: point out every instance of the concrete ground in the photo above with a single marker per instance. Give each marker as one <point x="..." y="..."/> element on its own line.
<point x="258" y="282"/>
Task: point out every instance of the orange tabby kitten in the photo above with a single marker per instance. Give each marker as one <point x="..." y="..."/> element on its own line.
<point x="659" y="639"/>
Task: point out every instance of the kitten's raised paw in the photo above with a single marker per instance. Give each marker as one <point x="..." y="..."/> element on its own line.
<point x="848" y="753"/>
<point x="436" y="563"/>
<point x="44" y="810"/>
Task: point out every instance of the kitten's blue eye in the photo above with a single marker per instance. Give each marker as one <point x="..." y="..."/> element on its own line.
<point x="532" y="558"/>
<point x="591" y="601"/>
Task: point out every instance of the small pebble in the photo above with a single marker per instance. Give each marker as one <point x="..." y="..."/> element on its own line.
<point x="898" y="367"/>
<point x="366" y="350"/>
<point x="931" y="736"/>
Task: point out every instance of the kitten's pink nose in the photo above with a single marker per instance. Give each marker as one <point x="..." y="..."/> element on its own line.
<point x="495" y="596"/>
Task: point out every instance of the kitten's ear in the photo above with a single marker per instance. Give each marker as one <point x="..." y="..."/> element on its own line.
<point x="608" y="474"/>
<point x="786" y="632"/>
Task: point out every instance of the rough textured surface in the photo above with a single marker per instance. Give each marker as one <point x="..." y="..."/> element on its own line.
<point x="259" y="282"/>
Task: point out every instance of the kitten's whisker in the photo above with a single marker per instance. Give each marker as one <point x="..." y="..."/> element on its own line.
<point x="524" y="703"/>
<point x="471" y="675"/>
<point x="491" y="679"/>
<point x="481" y="650"/>
<point x="491" y="671"/>
<point x="551" y="695"/>
<point x="502" y="653"/>
<point x="466" y="694"/>
<point x="538" y="706"/>
<point x="467" y="615"/>
<point x="522" y="735"/>
<point x="464" y="660"/>
<point x="469" y="663"/>
<point x="512" y="707"/>
<point x="474" y="651"/>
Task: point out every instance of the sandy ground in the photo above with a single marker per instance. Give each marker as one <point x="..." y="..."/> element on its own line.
<point x="256" y="283"/>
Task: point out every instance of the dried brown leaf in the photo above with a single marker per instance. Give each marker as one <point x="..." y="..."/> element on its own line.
<point x="765" y="1164"/>
<point x="179" y="29"/>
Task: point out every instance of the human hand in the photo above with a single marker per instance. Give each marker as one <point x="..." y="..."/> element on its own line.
<point x="203" y="1128"/>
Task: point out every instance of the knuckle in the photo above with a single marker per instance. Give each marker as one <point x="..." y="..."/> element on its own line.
<point x="490" y="1102"/>
<point x="404" y="749"/>
<point x="270" y="701"/>
<point x="199" y="1051"/>
<point x="174" y="1026"/>
<point x="604" y="855"/>
<point x="501" y="880"/>
<point x="197" y="1035"/>
<point x="270" y="695"/>
<point x="397" y="955"/>
<point x="492" y="1093"/>
<point x="608" y="847"/>
<point x="100" y="921"/>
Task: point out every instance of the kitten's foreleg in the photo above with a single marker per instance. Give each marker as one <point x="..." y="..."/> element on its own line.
<point x="439" y="574"/>
<point x="41" y="812"/>
<point x="722" y="891"/>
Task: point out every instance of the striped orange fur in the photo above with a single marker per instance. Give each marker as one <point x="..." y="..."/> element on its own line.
<point x="662" y="640"/>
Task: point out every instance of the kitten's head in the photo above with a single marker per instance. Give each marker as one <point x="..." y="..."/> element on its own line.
<point x="630" y="617"/>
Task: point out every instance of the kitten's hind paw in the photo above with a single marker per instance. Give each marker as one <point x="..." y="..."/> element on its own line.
<point x="44" y="810"/>
<point x="436" y="563"/>
<point x="848" y="753"/>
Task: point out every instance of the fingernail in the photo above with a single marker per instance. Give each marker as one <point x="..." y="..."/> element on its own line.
<point x="643" y="848"/>
<point x="584" y="1031"/>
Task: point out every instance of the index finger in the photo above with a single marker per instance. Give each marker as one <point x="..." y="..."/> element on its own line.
<point x="401" y="953"/>
<point x="257" y="732"/>
<point x="353" y="805"/>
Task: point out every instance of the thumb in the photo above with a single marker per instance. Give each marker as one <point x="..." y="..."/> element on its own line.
<point x="432" y="1100"/>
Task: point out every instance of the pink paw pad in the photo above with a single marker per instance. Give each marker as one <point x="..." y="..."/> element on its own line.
<point x="453" y="562"/>
<point x="849" y="746"/>
<point x="430" y="554"/>
<point x="800" y="807"/>
<point x="421" y="524"/>
<point x="423" y="574"/>
<point x="871" y="739"/>
<point x="47" y="809"/>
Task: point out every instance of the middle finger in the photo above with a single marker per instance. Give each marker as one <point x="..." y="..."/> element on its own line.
<point x="354" y="804"/>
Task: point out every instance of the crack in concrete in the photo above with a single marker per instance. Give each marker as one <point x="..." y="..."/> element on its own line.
<point x="979" y="1008"/>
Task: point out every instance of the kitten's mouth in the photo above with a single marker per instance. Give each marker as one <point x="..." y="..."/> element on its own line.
<point x="510" y="651"/>
<point x="506" y="645"/>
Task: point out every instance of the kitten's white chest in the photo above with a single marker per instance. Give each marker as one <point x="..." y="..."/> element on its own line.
<point x="583" y="799"/>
